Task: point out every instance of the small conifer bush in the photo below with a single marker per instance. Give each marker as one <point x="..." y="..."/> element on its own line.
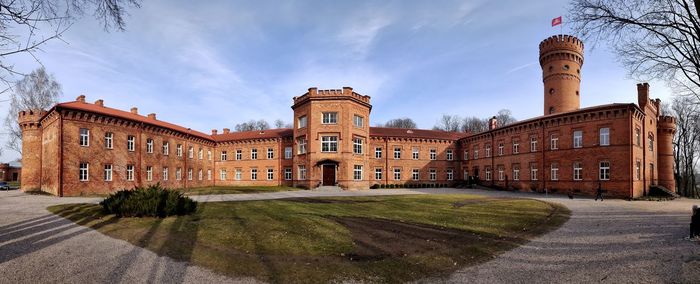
<point x="151" y="201"/>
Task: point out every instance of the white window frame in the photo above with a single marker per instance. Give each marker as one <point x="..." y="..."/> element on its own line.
<point x="224" y="155"/>
<point x="516" y="172"/>
<point x="487" y="170"/>
<point x="432" y="174"/>
<point x="450" y="174"/>
<point x="553" y="142"/>
<point x="578" y="171"/>
<point x="329" y="118"/>
<point x="189" y="173"/>
<point x="516" y="147"/>
<point x="357" y="172"/>
<point x="149" y="173"/>
<point x="604" y="136"/>
<point x="358" y="121"/>
<point x="129" y="172"/>
<point x="166" y="148"/>
<point x="239" y="154"/>
<point x="301" y="143"/>
<point x="270" y="174"/>
<point x="397" y="173"/>
<point x="357" y="145"/>
<point x="501" y="173"/>
<point x="604" y="170"/>
<point x="487" y="149"/>
<point x="165" y="173"/>
<point x="415" y="174"/>
<point x="131" y="143"/>
<point x="200" y="153"/>
<point x="238" y="174"/>
<point x="533" y="172"/>
<point x="301" y="172"/>
<point x="254" y="154"/>
<point x="578" y="139"/>
<point x="415" y="153"/>
<point x="108" y="172"/>
<point x="500" y="149"/>
<point x="302" y="121"/>
<point x="253" y="174"/>
<point x="178" y="150"/>
<point x="109" y="140"/>
<point x="190" y="152"/>
<point x="84" y="173"/>
<point x="378" y="152"/>
<point x="222" y="174"/>
<point x="149" y="146"/>
<point x="554" y="171"/>
<point x="287" y="153"/>
<point x="533" y="144"/>
<point x="178" y="174"/>
<point x="288" y="174"/>
<point x="378" y="173"/>
<point x="329" y="144"/>
<point x="397" y="153"/>
<point x="450" y="155"/>
<point x="433" y="154"/>
<point x="200" y="174"/>
<point x="84" y="140"/>
<point x="270" y="153"/>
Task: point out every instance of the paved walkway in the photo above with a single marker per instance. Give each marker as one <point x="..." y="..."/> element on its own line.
<point x="611" y="241"/>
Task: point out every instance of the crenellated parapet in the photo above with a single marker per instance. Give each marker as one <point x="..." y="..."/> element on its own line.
<point x="30" y="119"/>
<point x="332" y="94"/>
<point x="667" y="124"/>
<point x="561" y="47"/>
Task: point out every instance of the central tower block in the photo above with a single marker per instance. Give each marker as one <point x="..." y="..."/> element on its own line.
<point x="561" y="58"/>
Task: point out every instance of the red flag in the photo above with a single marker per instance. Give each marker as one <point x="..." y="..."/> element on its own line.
<point x="556" y="21"/>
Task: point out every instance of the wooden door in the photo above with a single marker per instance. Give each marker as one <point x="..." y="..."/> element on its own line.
<point x="329" y="175"/>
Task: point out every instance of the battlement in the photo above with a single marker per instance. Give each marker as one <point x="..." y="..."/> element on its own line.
<point x="332" y="93"/>
<point x="667" y="122"/>
<point x="561" y="42"/>
<point x="29" y="118"/>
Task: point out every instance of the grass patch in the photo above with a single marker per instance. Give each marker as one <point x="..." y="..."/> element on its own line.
<point x="234" y="189"/>
<point x="371" y="239"/>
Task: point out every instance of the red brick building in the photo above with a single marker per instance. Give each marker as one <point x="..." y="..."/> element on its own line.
<point x="82" y="148"/>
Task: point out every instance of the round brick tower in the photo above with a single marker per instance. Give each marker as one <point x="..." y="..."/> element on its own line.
<point x="561" y="58"/>
<point x="31" y="149"/>
<point x="665" y="131"/>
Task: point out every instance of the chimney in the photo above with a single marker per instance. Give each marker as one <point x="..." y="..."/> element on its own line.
<point x="214" y="131"/>
<point x="135" y="110"/>
<point x="347" y="90"/>
<point x="226" y="130"/>
<point x="80" y="98"/>
<point x="643" y="94"/>
<point x="493" y="123"/>
<point x="152" y="116"/>
<point x="313" y="91"/>
<point x="100" y="102"/>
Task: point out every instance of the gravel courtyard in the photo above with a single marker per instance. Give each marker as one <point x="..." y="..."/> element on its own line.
<point x="612" y="241"/>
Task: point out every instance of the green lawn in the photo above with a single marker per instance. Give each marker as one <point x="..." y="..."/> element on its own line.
<point x="234" y="189"/>
<point x="371" y="239"/>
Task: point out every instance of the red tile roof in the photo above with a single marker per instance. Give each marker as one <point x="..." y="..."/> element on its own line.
<point x="255" y="134"/>
<point x="415" y="133"/>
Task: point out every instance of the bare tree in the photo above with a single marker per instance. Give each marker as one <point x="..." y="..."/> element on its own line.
<point x="449" y="123"/>
<point x="505" y="117"/>
<point x="474" y="125"/>
<point x="403" y="122"/>
<point x="252" y="125"/>
<point x="686" y="145"/>
<point x="652" y="38"/>
<point x="38" y="90"/>
<point x="25" y="25"/>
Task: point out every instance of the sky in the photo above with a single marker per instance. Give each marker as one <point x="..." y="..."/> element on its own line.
<point x="212" y="64"/>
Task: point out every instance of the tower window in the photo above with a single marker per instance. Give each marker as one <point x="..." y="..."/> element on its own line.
<point x="550" y="68"/>
<point x="577" y="93"/>
<point x="551" y="110"/>
<point x="566" y="67"/>
<point x="551" y="91"/>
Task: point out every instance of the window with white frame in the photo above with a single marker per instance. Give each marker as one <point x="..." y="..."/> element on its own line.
<point x="415" y="153"/>
<point x="357" y="172"/>
<point x="329" y="144"/>
<point x="287" y="173"/>
<point x="149" y="173"/>
<point x="638" y="136"/>
<point x="301" y="122"/>
<point x="487" y="149"/>
<point x="533" y="171"/>
<point x="254" y="174"/>
<point x="450" y="174"/>
<point x="179" y="150"/>
<point x="130" y="143"/>
<point x="533" y="144"/>
<point x="432" y="174"/>
<point x="270" y="153"/>
<point x="450" y="155"/>
<point x="487" y="170"/>
<point x="287" y="153"/>
<point x="301" y="143"/>
<point x="501" y="173"/>
<point x="651" y="142"/>
<point x="209" y="155"/>
<point x="189" y="174"/>
<point x="604" y="170"/>
<point x="84" y="174"/>
<point x="208" y="174"/>
<point x="239" y="174"/>
<point x="109" y="138"/>
<point x="200" y="154"/>
<point x="358" y="121"/>
<point x="397" y="153"/>
<point x="516" y="172"/>
<point x="357" y="145"/>
<point x="149" y="145"/>
<point x="129" y="172"/>
<point x="84" y="137"/>
<point x="554" y="171"/>
<point x="270" y="174"/>
<point x="516" y="146"/>
<point x="415" y="175"/>
<point x="165" y="173"/>
<point x="178" y="174"/>
<point x="378" y="173"/>
<point x="166" y="148"/>
<point x="578" y="171"/>
<point x="397" y="173"/>
<point x="190" y="152"/>
<point x="222" y="174"/>
<point x="500" y="149"/>
<point x="302" y="172"/>
<point x="239" y="154"/>
<point x="638" y="170"/>
<point x="329" y="118"/>
<point x="476" y="152"/>
<point x="604" y="134"/>
<point x="553" y="142"/>
<point x="466" y="155"/>
<point x="224" y="155"/>
<point x="578" y="139"/>
<point x="253" y="154"/>
<point x="378" y="153"/>
<point x="108" y="172"/>
<point x="200" y="174"/>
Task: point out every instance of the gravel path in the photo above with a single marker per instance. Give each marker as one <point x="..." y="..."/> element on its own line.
<point x="612" y="241"/>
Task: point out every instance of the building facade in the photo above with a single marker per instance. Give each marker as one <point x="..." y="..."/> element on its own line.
<point x="79" y="148"/>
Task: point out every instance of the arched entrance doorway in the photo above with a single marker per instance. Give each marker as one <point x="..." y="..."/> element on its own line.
<point x="329" y="172"/>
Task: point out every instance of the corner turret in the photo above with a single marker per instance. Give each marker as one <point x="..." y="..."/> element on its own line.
<point x="561" y="59"/>
<point x="29" y="123"/>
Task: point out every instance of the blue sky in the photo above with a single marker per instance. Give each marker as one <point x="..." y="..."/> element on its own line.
<point x="213" y="65"/>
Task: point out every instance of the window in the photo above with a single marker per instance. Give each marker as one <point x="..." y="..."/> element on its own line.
<point x="166" y="148"/>
<point x="108" y="173"/>
<point x="488" y="150"/>
<point x="200" y="154"/>
<point x="466" y="155"/>
<point x="302" y="172"/>
<point x="224" y="155"/>
<point x="209" y="155"/>
<point x="638" y="170"/>
<point x="129" y="172"/>
<point x="397" y="174"/>
<point x="270" y="174"/>
<point x="378" y="153"/>
<point x="288" y="174"/>
<point x="130" y="142"/>
<point x="301" y="122"/>
<point x="488" y="173"/>
<point x="476" y="153"/>
<point x="416" y="174"/>
<point x="433" y="154"/>
<point x="638" y="136"/>
<point x="516" y="146"/>
<point x="533" y="144"/>
<point x="449" y="155"/>
<point x="84" y="137"/>
<point x="578" y="139"/>
<point x="270" y="153"/>
<point x="208" y="174"/>
<point x="253" y="154"/>
<point x="357" y="172"/>
<point x="165" y="173"/>
<point x="357" y="145"/>
<point x="433" y="174"/>
<point x="178" y="174"/>
<point x="578" y="170"/>
<point x="358" y="121"/>
<point x="239" y="174"/>
<point x="651" y="143"/>
<point x="149" y="173"/>
<point x="239" y="155"/>
<point x="301" y="142"/>
<point x="109" y="137"/>
<point x="179" y="150"/>
<point x="149" y="145"/>
<point x="604" y="170"/>
<point x="378" y="173"/>
<point x="190" y="152"/>
<point x="516" y="172"/>
<point x="222" y="174"/>
<point x="501" y="174"/>
<point x="604" y="134"/>
<point x="329" y="143"/>
<point x="287" y="153"/>
<point x="554" y="142"/>
<point x="554" y="172"/>
<point x="500" y="149"/>
<point x="254" y="174"/>
<point x="84" y="172"/>
<point x="200" y="174"/>
<point x="330" y="118"/>
<point x="189" y="174"/>
<point x="450" y="174"/>
<point x="397" y="153"/>
<point x="533" y="171"/>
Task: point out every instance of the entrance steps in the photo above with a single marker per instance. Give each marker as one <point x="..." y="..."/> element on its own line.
<point x="328" y="188"/>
